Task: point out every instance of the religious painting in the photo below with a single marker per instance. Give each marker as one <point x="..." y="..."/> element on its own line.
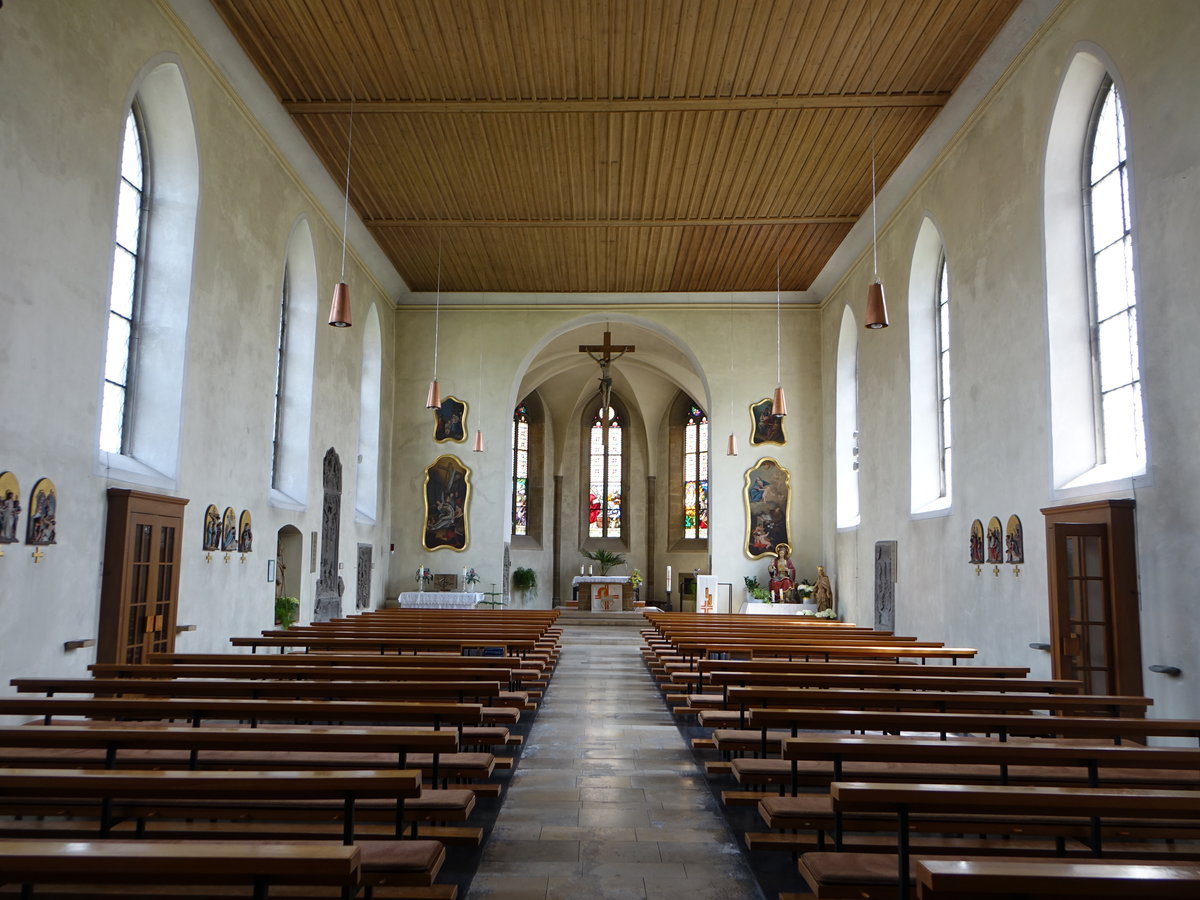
<point x="447" y="492"/>
<point x="995" y="541"/>
<point x="976" y="543"/>
<point x="445" y="582"/>
<point x="450" y="421"/>
<point x="1014" y="541"/>
<point x="212" y="528"/>
<point x="229" y="530"/>
<point x="767" y="496"/>
<point x="766" y="427"/>
<point x="245" y="533"/>
<point x="10" y="507"/>
<point x="43" y="501"/>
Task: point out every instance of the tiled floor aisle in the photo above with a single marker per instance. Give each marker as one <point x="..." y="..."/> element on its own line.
<point x="607" y="800"/>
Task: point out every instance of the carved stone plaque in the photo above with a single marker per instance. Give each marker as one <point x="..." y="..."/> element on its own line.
<point x="329" y="600"/>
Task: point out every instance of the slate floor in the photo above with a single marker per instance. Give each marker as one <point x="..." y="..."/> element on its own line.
<point x="608" y="801"/>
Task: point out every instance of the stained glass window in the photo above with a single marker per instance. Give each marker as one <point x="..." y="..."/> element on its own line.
<point x="122" y="305"/>
<point x="520" y="443"/>
<point x="604" y="474"/>
<point x="1121" y="434"/>
<point x="695" y="474"/>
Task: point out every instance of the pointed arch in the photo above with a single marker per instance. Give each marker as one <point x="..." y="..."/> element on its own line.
<point x="846" y="423"/>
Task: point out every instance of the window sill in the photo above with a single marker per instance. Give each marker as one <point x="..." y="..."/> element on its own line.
<point x="1102" y="480"/>
<point x="280" y="500"/>
<point x="125" y="468"/>
<point x="937" y="509"/>
<point x="525" y="542"/>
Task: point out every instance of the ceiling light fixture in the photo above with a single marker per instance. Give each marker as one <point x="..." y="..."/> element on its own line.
<point x="339" y="309"/>
<point x="434" y="398"/>
<point x="877" y="316"/>
<point x="778" y="403"/>
<point x="477" y="447"/>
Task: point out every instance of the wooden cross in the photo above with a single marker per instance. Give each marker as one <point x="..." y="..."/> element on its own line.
<point x="606" y="360"/>
<point x="37" y="555"/>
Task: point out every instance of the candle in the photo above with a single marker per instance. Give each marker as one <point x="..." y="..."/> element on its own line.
<point x="589" y="570"/>
<point x="581" y="568"/>
<point x="668" y="579"/>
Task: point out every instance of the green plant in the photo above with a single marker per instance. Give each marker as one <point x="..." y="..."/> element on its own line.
<point x="760" y="593"/>
<point x="751" y="584"/>
<point x="605" y="559"/>
<point x="286" y="611"/>
<point x="525" y="580"/>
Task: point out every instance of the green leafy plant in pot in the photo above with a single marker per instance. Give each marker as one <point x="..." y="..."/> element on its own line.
<point x="287" y="609"/>
<point x="605" y="559"/>
<point x="525" y="580"/>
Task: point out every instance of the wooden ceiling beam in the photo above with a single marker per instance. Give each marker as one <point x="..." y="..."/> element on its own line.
<point x="607" y="223"/>
<point x="650" y="104"/>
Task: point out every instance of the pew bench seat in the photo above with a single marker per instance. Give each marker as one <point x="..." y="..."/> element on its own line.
<point x="946" y="879"/>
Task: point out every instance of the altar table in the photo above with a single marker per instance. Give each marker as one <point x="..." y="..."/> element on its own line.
<point x="605" y="592"/>
<point x="439" y="599"/>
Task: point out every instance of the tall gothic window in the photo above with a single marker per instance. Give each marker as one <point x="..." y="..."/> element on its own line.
<point x="942" y="345"/>
<point x="1121" y="440"/>
<point x="695" y="474"/>
<point x="520" y="492"/>
<point x="604" y="474"/>
<point x="280" y="369"/>
<point x="123" y="296"/>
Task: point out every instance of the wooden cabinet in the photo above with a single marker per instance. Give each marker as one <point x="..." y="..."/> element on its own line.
<point x="140" y="588"/>
<point x="1094" y="617"/>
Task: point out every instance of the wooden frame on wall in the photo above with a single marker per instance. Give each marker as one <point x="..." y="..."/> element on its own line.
<point x="767" y="497"/>
<point x="447" y="493"/>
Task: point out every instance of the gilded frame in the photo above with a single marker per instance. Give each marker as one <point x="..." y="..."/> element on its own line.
<point x="10" y="508"/>
<point x="450" y="421"/>
<point x="765" y="427"/>
<point x="767" y="498"/>
<point x="446" y="492"/>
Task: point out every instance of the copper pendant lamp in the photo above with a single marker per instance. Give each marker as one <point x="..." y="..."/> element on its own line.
<point x="339" y="309"/>
<point x="778" y="402"/>
<point x="434" y="398"/>
<point x="877" y="316"/>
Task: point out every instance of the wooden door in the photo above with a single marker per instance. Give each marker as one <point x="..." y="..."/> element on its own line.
<point x="1095" y="627"/>
<point x="140" y="587"/>
<point x="1083" y="645"/>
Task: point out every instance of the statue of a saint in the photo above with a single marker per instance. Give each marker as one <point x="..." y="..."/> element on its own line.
<point x="823" y="591"/>
<point x="782" y="572"/>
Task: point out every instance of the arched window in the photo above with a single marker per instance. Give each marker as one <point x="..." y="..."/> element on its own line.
<point x="122" y="301"/>
<point x="527" y="438"/>
<point x="145" y="339"/>
<point x="1097" y="426"/>
<point x="366" y="487"/>
<point x="846" y="423"/>
<point x="1113" y="307"/>
<point x="941" y="333"/>
<point x="295" y="351"/>
<point x="604" y="474"/>
<point x="695" y="474"/>
<point x="520" y="490"/>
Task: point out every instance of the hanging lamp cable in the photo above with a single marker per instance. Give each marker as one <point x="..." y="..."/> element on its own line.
<point x="437" y="311"/>
<point x="346" y="195"/>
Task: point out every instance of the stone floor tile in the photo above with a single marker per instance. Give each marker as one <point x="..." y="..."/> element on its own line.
<point x="509" y="887"/>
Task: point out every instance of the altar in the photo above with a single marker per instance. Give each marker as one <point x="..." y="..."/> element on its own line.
<point x="605" y="592"/>
<point x="439" y="599"/>
<point x="778" y="609"/>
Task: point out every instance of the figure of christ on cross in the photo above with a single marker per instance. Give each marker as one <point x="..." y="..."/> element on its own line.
<point x="603" y="354"/>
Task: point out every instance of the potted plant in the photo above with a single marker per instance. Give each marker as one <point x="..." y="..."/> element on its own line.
<point x="605" y="559"/>
<point x="755" y="590"/>
<point x="525" y="580"/>
<point x="287" y="609"/>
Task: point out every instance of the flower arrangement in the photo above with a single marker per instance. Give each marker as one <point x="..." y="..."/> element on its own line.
<point x="423" y="576"/>
<point x="826" y="614"/>
<point x="635" y="578"/>
<point x="804" y="590"/>
<point x="470" y="576"/>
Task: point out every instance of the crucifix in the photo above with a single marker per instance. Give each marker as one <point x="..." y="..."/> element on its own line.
<point x="603" y="354"/>
<point x="37" y="555"/>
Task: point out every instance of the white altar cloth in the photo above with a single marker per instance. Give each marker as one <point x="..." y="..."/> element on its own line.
<point x="439" y="599"/>
<point x="777" y="609"/>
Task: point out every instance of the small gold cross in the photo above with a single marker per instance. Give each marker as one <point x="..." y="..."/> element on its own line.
<point x="37" y="555"/>
<point x="243" y="559"/>
<point x="226" y="559"/>
<point x="208" y="557"/>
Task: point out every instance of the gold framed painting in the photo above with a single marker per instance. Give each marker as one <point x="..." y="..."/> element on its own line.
<point x="765" y="426"/>
<point x="450" y="421"/>
<point x="767" y="496"/>
<point x="447" y="491"/>
<point x="10" y="507"/>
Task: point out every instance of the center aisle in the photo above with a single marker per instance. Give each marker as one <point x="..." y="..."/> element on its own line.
<point x="607" y="801"/>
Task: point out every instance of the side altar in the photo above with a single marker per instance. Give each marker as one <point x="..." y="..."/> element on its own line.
<point x="601" y="593"/>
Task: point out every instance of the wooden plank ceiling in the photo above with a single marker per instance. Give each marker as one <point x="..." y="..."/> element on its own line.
<point x="612" y="145"/>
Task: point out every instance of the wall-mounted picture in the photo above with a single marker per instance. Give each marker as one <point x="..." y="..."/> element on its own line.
<point x="767" y="496"/>
<point x="212" y="528"/>
<point x="245" y="533"/>
<point x="1014" y="541"/>
<point x="229" y="530"/>
<point x="447" y="493"/>
<point x="10" y="507"/>
<point x="995" y="541"/>
<point x="43" y="501"/>
<point x="976" y="543"/>
<point x="446" y="581"/>
<point x="450" y="421"/>
<point x="766" y="427"/>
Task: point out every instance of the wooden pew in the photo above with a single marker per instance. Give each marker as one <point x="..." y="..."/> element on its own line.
<point x="983" y="804"/>
<point x="91" y="866"/>
<point x="1025" y="879"/>
<point x="382" y="645"/>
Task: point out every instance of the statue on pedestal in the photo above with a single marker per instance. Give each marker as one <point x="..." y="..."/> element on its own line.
<point x="783" y="573"/>
<point x="823" y="591"/>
